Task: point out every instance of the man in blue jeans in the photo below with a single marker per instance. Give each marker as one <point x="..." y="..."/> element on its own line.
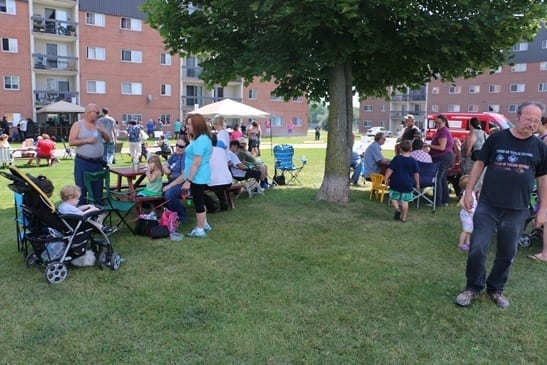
<point x="515" y="158"/>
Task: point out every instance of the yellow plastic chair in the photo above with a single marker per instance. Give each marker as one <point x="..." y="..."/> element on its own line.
<point x="378" y="188"/>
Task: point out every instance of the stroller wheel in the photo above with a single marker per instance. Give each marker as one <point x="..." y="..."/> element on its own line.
<point x="31" y="260"/>
<point x="525" y="240"/>
<point x="56" y="272"/>
<point x="101" y="261"/>
<point x="115" y="261"/>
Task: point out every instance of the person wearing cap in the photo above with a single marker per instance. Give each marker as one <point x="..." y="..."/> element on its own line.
<point x="248" y="159"/>
<point x="410" y="131"/>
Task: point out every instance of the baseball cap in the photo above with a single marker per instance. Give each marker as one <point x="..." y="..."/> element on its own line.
<point x="409" y="116"/>
<point x="242" y="140"/>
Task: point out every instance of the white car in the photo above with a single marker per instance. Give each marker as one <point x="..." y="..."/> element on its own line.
<point x="371" y="132"/>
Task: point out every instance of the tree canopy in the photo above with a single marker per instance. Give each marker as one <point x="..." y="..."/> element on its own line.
<point x="331" y="49"/>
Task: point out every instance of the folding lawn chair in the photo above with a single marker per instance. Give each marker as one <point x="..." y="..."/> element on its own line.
<point x="68" y="150"/>
<point x="283" y="155"/>
<point x="428" y="179"/>
<point x="121" y="208"/>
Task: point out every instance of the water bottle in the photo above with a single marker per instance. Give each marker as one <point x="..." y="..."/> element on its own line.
<point x="135" y="164"/>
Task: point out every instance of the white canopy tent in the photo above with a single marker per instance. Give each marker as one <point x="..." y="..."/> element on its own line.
<point x="61" y="107"/>
<point x="230" y="109"/>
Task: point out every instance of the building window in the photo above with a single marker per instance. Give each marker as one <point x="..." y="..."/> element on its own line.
<point x="435" y="90"/>
<point x="474" y="89"/>
<point x="498" y="70"/>
<point x="494" y="89"/>
<point x="131" y="24"/>
<point x="95" y="19"/>
<point x="127" y="117"/>
<point x="276" y="121"/>
<point x="165" y="59"/>
<point x="165" y="90"/>
<point x="298" y="99"/>
<point x="7" y="6"/>
<point x="297" y="121"/>
<point x="454" y="108"/>
<point x="513" y="108"/>
<point x="194" y="95"/>
<point x="367" y="108"/>
<point x="368" y="123"/>
<point x="9" y="45"/>
<point x="165" y="118"/>
<point x="472" y="108"/>
<point x="96" y="87"/>
<point x="252" y="94"/>
<point x="435" y="108"/>
<point x="455" y="90"/>
<point x="543" y="66"/>
<point x="192" y="67"/>
<point x="517" y="88"/>
<point x="544" y="44"/>
<point x="96" y="53"/>
<point x="11" y="82"/>
<point x="519" y="47"/>
<point x="131" y="56"/>
<point x="383" y="108"/>
<point x="519" y="67"/>
<point x="131" y="88"/>
<point x="542" y="87"/>
<point x="495" y="108"/>
<point x="275" y="97"/>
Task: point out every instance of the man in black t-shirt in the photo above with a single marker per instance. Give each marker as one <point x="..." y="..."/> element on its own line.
<point x="411" y="131"/>
<point x="515" y="159"/>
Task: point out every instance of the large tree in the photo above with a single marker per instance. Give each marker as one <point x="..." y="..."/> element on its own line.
<point x="329" y="50"/>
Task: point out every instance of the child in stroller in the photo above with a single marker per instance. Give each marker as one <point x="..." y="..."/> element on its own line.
<point x="57" y="239"/>
<point x="70" y="196"/>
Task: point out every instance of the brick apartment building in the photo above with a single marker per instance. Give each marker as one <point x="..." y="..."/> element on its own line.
<point x="104" y="52"/>
<point x="524" y="79"/>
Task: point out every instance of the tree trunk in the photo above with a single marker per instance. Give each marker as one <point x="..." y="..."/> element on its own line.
<point x="335" y="186"/>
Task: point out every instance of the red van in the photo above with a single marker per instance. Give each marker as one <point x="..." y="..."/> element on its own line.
<point x="457" y="123"/>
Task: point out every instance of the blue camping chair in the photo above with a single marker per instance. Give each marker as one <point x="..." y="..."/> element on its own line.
<point x="283" y="155"/>
<point x="428" y="179"/>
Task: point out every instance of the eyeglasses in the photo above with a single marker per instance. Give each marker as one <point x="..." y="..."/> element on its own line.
<point x="180" y="146"/>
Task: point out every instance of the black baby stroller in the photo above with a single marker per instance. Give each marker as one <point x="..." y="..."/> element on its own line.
<point x="529" y="232"/>
<point x="56" y="239"/>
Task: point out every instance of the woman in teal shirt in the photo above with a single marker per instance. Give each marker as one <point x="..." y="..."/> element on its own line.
<point x="197" y="172"/>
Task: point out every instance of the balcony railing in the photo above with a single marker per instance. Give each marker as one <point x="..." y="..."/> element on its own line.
<point x="190" y="101"/>
<point x="409" y="97"/>
<point x="45" y="97"/>
<point x="57" y="63"/>
<point x="192" y="72"/>
<point x="399" y="114"/>
<point x="52" y="26"/>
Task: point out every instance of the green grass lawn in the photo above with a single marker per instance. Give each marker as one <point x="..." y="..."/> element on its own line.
<point x="282" y="279"/>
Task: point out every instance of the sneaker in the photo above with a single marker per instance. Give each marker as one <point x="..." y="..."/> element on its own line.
<point x="465" y="297"/>
<point x="196" y="232"/>
<point x="207" y="228"/>
<point x="397" y="214"/>
<point x="500" y="300"/>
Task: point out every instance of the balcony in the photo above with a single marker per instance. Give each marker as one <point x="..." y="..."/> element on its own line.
<point x="399" y="114"/>
<point x="188" y="102"/>
<point x="191" y="72"/>
<point x="54" y="63"/>
<point x="41" y="25"/>
<point x="45" y="97"/>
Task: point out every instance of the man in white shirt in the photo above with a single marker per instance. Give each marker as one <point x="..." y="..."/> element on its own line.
<point x="239" y="170"/>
